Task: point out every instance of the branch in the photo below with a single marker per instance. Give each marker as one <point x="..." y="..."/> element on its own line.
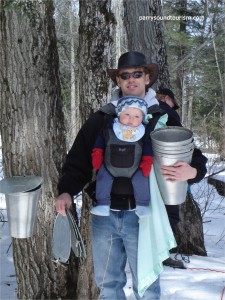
<point x="209" y="113"/>
<point x="210" y="175"/>
<point x="181" y="62"/>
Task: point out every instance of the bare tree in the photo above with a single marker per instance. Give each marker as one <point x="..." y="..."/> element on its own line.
<point x="33" y="134"/>
<point x="74" y="125"/>
<point x="67" y="25"/>
<point x="96" y="21"/>
<point x="221" y="80"/>
<point x="95" y="42"/>
<point x="146" y="35"/>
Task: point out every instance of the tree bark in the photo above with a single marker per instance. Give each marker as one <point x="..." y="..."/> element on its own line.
<point x="189" y="234"/>
<point x="120" y="42"/>
<point x="218" y="184"/>
<point x="86" y="287"/>
<point x="33" y="134"/>
<point x="220" y="74"/>
<point x="95" y="44"/>
<point x="147" y="36"/>
<point x="190" y="102"/>
<point x="73" y="112"/>
<point x="181" y="10"/>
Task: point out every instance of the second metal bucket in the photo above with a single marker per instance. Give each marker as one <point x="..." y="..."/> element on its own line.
<point x="171" y="144"/>
<point x="173" y="193"/>
<point x="174" y="136"/>
<point x="22" y="195"/>
<point x="173" y="150"/>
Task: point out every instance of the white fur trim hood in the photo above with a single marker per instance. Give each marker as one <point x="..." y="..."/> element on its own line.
<point x="149" y="97"/>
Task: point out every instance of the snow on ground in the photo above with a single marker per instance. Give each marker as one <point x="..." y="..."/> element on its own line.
<point x="204" y="278"/>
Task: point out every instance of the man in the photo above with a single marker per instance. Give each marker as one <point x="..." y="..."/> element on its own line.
<point x="167" y="101"/>
<point x="167" y="96"/>
<point x="115" y="237"/>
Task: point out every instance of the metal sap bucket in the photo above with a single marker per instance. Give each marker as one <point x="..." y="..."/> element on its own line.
<point x="174" y="136"/>
<point x="170" y="145"/>
<point x="22" y="195"/>
<point x="173" y="150"/>
<point x="173" y="193"/>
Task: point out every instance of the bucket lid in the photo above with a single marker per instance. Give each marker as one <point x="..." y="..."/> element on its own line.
<point x="61" y="239"/>
<point x="19" y="184"/>
<point x="77" y="243"/>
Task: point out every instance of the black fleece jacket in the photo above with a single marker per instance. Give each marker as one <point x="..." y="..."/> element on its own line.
<point x="77" y="170"/>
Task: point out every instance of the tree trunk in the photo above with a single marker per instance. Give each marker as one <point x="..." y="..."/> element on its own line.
<point x="73" y="112"/>
<point x="96" y="21"/>
<point x="32" y="130"/>
<point x="181" y="10"/>
<point x="86" y="288"/>
<point x="147" y="36"/>
<point x="220" y="71"/>
<point x="218" y="184"/>
<point x="120" y="43"/>
<point x="95" y="40"/>
<point x="184" y="102"/>
<point x="190" y="100"/>
<point x="189" y="235"/>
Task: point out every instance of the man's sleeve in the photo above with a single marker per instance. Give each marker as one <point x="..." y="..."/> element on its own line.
<point x="199" y="162"/>
<point x="77" y="170"/>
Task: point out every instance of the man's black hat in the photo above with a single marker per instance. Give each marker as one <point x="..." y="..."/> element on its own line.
<point x="131" y="60"/>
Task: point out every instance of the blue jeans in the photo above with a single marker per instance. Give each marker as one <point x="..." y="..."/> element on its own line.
<point x="114" y="240"/>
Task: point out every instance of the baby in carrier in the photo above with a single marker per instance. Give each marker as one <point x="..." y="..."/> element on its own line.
<point x="122" y="149"/>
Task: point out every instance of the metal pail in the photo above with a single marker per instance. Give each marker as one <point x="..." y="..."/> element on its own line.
<point x="171" y="136"/>
<point x="173" y="150"/>
<point x="22" y="195"/>
<point x="21" y="212"/>
<point x="173" y="193"/>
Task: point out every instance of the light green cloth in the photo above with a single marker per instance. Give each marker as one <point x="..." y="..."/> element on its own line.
<point x="155" y="235"/>
<point x="162" y="122"/>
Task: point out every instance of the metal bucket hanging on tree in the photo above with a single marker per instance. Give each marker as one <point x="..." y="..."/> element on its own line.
<point x="22" y="194"/>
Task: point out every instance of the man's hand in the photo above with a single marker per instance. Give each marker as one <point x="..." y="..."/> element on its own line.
<point x="62" y="202"/>
<point x="180" y="171"/>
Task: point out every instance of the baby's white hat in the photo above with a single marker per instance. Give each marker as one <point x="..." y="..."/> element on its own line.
<point x="131" y="101"/>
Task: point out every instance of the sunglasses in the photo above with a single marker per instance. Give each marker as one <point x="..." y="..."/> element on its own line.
<point x="125" y="76"/>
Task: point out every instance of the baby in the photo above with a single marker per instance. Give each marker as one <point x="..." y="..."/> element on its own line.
<point x="123" y="150"/>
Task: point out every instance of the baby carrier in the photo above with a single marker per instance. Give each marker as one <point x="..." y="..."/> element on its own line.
<point x="122" y="195"/>
<point x="121" y="158"/>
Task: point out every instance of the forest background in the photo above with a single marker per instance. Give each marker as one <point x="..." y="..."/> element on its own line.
<point x="194" y="40"/>
<point x="53" y="61"/>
